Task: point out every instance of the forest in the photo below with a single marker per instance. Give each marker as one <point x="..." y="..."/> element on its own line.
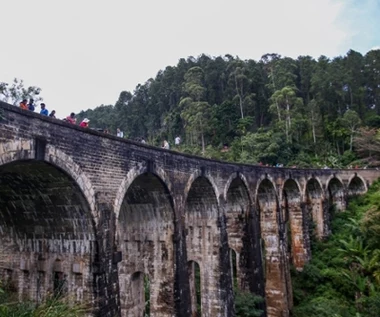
<point x="301" y="112"/>
<point x="343" y="277"/>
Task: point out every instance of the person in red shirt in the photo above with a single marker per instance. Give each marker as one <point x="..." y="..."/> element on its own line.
<point x="24" y="104"/>
<point x="84" y="123"/>
<point x="71" y="118"/>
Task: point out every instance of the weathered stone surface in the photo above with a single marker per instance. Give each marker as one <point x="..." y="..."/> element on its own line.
<point x="100" y="215"/>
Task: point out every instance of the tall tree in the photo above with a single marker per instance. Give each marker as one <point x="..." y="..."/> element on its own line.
<point x="351" y="121"/>
<point x="195" y="111"/>
<point x="284" y="103"/>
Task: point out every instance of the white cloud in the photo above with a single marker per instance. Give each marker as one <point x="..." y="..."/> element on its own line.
<point x="84" y="53"/>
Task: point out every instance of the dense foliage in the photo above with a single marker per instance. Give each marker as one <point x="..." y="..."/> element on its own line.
<point x="302" y="111"/>
<point x="247" y="304"/>
<point x="343" y="277"/>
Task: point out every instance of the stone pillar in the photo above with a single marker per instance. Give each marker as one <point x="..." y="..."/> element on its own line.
<point x="307" y="232"/>
<point x="316" y="206"/>
<point x="105" y="263"/>
<point x="276" y="277"/>
<point x="203" y="246"/>
<point x="225" y="278"/>
<point x="182" y="287"/>
<point x="299" y="249"/>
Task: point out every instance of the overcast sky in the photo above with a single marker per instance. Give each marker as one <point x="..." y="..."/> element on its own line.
<point x="83" y="53"/>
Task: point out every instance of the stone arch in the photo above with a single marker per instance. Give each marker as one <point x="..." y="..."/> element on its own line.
<point x="336" y="192"/>
<point x="44" y="212"/>
<point x="203" y="240"/>
<point x="60" y="159"/>
<point x="193" y="177"/>
<point x="145" y="229"/>
<point x="313" y="186"/>
<point x="24" y="149"/>
<point x="131" y="176"/>
<point x="293" y="188"/>
<point x="315" y="206"/>
<point x="238" y="210"/>
<point x="276" y="278"/>
<point x="231" y="178"/>
<point x="356" y="185"/>
<point x="267" y="178"/>
<point x="292" y="217"/>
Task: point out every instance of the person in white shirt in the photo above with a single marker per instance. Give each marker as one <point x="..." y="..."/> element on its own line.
<point x="119" y="133"/>
<point x="177" y="140"/>
<point x="166" y="145"/>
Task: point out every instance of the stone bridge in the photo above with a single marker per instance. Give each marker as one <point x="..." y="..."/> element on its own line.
<point x="112" y="222"/>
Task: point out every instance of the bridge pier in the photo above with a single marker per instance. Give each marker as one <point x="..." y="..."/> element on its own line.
<point x="277" y="288"/>
<point x="298" y="251"/>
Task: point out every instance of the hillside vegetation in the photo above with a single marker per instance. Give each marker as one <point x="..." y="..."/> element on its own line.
<point x="343" y="277"/>
<point x="302" y="111"/>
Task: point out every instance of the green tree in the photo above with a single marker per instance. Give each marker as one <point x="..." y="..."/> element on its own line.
<point x="351" y="121"/>
<point x="15" y="92"/>
<point x="196" y="113"/>
<point x="239" y="79"/>
<point x="284" y="104"/>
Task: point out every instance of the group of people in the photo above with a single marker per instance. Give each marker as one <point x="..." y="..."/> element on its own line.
<point x="31" y="107"/>
<point x="70" y="119"/>
<point x="166" y="145"/>
<point x="85" y="122"/>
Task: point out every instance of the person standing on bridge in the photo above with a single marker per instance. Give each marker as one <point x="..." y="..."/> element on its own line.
<point x="71" y="118"/>
<point x="24" y="104"/>
<point x="166" y="145"/>
<point x="119" y="133"/>
<point x="84" y="123"/>
<point x="44" y="111"/>
<point x="31" y="106"/>
<point x="52" y="114"/>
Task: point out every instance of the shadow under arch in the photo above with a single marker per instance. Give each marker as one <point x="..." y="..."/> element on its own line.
<point x="336" y="193"/>
<point x="44" y="215"/>
<point x="356" y="185"/>
<point x="145" y="229"/>
<point x="130" y="178"/>
<point x="232" y="178"/>
<point x="55" y="157"/>
<point x="243" y="236"/>
<point x="315" y="207"/>
<point x="195" y="176"/>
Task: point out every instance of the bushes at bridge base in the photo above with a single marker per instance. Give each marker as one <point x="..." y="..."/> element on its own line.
<point x="343" y="277"/>
<point x="52" y="307"/>
<point x="247" y="304"/>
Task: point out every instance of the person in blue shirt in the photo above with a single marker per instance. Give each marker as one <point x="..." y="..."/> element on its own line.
<point x="44" y="111"/>
<point x="31" y="104"/>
